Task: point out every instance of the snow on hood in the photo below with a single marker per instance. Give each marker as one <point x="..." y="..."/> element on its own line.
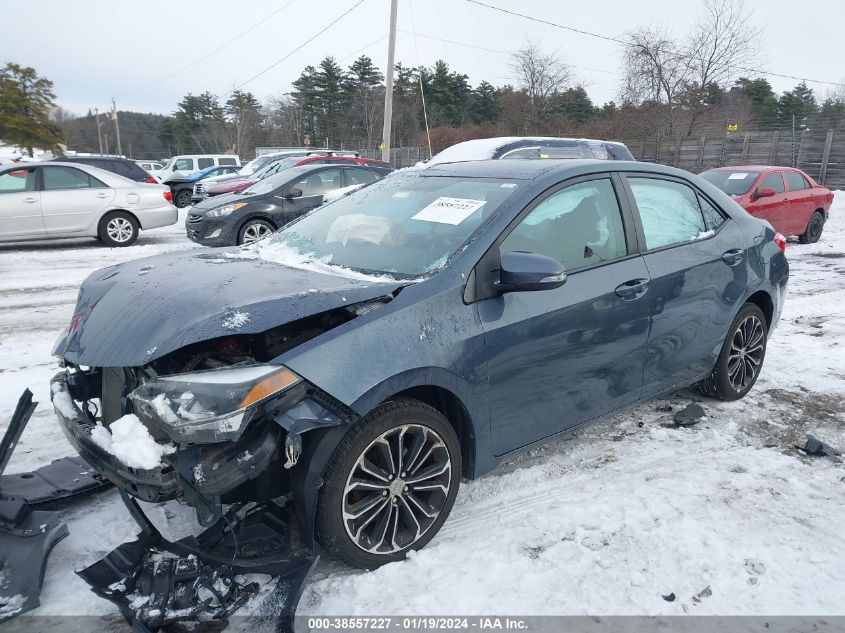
<point x="130" y="314"/>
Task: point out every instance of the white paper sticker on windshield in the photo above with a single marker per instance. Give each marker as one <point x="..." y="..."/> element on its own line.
<point x="739" y="175"/>
<point x="449" y="210"/>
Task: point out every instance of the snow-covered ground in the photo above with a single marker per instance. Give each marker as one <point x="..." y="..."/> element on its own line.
<point x="606" y="522"/>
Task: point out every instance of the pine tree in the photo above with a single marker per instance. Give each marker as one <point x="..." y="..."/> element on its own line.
<point x="485" y="104"/>
<point x="25" y="103"/>
<point x="798" y="103"/>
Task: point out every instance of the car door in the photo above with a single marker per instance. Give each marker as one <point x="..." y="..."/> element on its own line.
<point x="800" y="206"/>
<point x="560" y="357"/>
<point x="313" y="186"/>
<point x="772" y="208"/>
<point x="71" y="199"/>
<point x="696" y="260"/>
<point x="20" y="204"/>
<point x="360" y="176"/>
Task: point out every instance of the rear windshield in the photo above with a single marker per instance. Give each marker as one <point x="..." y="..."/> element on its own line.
<point x="734" y="183"/>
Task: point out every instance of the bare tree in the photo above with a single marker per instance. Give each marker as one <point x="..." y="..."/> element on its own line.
<point x="655" y="70"/>
<point x="722" y="40"/>
<point x="685" y="71"/>
<point x="540" y="75"/>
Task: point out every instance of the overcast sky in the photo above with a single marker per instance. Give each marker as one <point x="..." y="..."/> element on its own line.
<point x="94" y="50"/>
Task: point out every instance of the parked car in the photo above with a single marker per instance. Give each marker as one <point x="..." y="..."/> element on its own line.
<point x="270" y="203"/>
<point x="793" y="202"/>
<point x="120" y="166"/>
<point x="515" y="147"/>
<point x="182" y="187"/>
<point x="201" y="191"/>
<point x="257" y="166"/>
<point x="73" y="199"/>
<point x="187" y="163"/>
<point x="366" y="357"/>
<point x="149" y="165"/>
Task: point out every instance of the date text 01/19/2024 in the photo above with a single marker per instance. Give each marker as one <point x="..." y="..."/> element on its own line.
<point x="416" y="623"/>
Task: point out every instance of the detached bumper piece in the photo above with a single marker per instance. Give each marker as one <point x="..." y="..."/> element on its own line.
<point x="156" y="583"/>
<point x="26" y="536"/>
<point x="60" y="479"/>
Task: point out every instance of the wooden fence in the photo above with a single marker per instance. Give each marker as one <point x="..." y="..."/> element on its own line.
<point x="820" y="153"/>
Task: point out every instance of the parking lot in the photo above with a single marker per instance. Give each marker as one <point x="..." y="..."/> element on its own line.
<point x="727" y="514"/>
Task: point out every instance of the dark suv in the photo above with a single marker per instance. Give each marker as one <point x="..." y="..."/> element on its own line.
<point x="120" y="166"/>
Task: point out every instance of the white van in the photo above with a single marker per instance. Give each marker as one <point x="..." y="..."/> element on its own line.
<point x="186" y="163"/>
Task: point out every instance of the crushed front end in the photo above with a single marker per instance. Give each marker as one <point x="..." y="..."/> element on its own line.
<point x="229" y="434"/>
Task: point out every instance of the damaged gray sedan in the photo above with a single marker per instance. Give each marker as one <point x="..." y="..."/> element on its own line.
<point x="344" y="374"/>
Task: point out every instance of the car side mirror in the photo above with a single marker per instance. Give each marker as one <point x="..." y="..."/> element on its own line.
<point x="293" y="192"/>
<point x="765" y="193"/>
<point x="520" y="271"/>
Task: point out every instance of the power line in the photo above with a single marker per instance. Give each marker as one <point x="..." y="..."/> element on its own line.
<point x="209" y="54"/>
<point x="629" y="45"/>
<point x="493" y="50"/>
<point x="300" y="47"/>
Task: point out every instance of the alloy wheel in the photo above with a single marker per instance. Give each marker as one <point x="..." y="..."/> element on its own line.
<point x="396" y="489"/>
<point x="120" y="230"/>
<point x="815" y="228"/>
<point x="255" y="232"/>
<point x="746" y="353"/>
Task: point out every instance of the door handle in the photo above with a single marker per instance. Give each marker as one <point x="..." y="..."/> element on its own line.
<point x="733" y="256"/>
<point x="30" y="200"/>
<point x="102" y="195"/>
<point x="633" y="289"/>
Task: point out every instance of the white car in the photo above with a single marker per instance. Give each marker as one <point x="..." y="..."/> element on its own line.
<point x="59" y="200"/>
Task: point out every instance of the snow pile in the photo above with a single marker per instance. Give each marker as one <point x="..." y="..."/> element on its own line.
<point x="11" y="605"/>
<point x="236" y="320"/>
<point x="337" y="194"/>
<point x="278" y="252"/>
<point x="131" y="442"/>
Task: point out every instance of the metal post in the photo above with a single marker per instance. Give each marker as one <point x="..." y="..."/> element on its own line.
<point x="99" y="132"/>
<point x="116" y="126"/>
<point x="825" y="156"/>
<point x="388" y="88"/>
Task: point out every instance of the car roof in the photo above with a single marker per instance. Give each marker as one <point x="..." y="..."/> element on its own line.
<point x="527" y="169"/>
<point x="754" y="168"/>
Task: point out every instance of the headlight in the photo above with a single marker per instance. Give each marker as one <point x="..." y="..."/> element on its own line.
<point x="220" y="212"/>
<point x="209" y="406"/>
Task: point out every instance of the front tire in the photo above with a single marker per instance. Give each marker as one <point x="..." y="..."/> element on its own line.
<point x="390" y="484"/>
<point x="254" y="230"/>
<point x="741" y="357"/>
<point x="814" y="229"/>
<point x="118" y="228"/>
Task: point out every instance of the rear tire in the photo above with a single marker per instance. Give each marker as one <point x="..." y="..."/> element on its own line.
<point x="390" y="484"/>
<point x="254" y="230"/>
<point x="814" y="229"/>
<point x="741" y="357"/>
<point x="118" y="228"/>
<point x="183" y="198"/>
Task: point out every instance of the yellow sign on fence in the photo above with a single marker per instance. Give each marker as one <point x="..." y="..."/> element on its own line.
<point x="732" y="127"/>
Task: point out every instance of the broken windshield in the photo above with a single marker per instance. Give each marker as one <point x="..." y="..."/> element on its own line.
<point x="405" y="225"/>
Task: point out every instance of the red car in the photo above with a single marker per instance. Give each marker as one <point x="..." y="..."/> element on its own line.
<point x="789" y="199"/>
<point x="236" y="186"/>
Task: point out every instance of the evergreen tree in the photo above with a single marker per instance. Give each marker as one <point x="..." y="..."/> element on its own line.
<point x="764" y="101"/>
<point x="367" y="98"/>
<point x="798" y="103"/>
<point x="331" y="97"/>
<point x="25" y="103"/>
<point x="485" y="104"/>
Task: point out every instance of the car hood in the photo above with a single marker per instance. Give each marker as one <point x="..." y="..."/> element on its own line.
<point x="130" y="314"/>
<point x="231" y="183"/>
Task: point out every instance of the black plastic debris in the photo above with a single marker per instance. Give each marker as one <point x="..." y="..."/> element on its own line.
<point x="669" y="597"/>
<point x="815" y="447"/>
<point x="26" y="536"/>
<point x="155" y="582"/>
<point x="690" y="415"/>
<point x="61" y="479"/>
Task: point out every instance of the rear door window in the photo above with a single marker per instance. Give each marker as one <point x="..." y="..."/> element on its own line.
<point x="185" y="164"/>
<point x="202" y="163"/>
<point x="64" y="178"/>
<point x="227" y="160"/>
<point x="795" y="181"/>
<point x="670" y="212"/>
<point x="361" y="176"/>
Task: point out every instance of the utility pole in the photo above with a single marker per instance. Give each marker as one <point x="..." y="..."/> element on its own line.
<point x="116" y="126"/>
<point x="99" y="132"/>
<point x="388" y="92"/>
